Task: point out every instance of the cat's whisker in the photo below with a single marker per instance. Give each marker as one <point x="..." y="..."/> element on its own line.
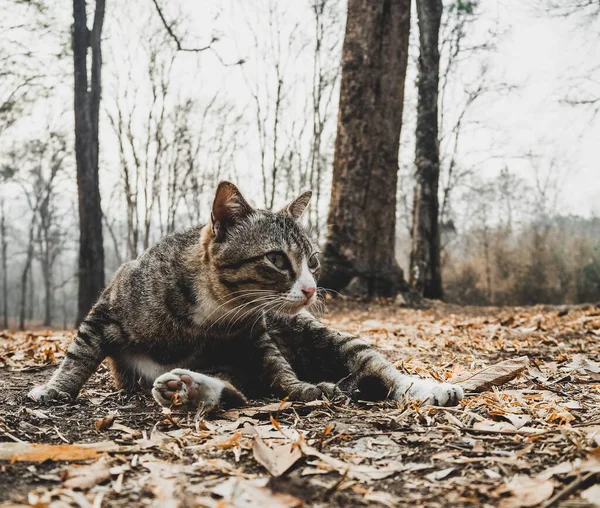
<point x="246" y="294"/>
<point x="326" y="290"/>
<point x="240" y="307"/>
<point x="264" y="309"/>
<point x="239" y="318"/>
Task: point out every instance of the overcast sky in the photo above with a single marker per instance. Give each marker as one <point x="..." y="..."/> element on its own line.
<point x="543" y="59"/>
<point x="547" y="59"/>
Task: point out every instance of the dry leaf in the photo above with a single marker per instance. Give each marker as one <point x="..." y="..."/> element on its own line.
<point x="269" y="408"/>
<point x="278" y="459"/>
<point x="382" y="498"/>
<point x="592" y="495"/>
<point x="440" y="475"/>
<point x="494" y="375"/>
<point x="326" y="463"/>
<point x="28" y="452"/>
<point x="240" y="493"/>
<point x="518" y="421"/>
<point x="526" y="492"/>
<point x="85" y="477"/>
<point x="127" y="430"/>
<point x="104" y="423"/>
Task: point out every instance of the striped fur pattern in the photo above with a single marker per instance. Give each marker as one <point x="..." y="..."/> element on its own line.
<point x="218" y="313"/>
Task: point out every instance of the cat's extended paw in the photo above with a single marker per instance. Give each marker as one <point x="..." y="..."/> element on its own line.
<point x="433" y="393"/>
<point x="189" y="390"/>
<point x="45" y="394"/>
<point x="306" y="392"/>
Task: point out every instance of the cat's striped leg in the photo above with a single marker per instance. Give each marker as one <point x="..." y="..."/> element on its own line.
<point x="84" y="355"/>
<point x="189" y="390"/>
<point x="278" y="374"/>
<point x="367" y="369"/>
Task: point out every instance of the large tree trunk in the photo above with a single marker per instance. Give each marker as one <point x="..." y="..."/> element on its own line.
<point x="87" y="109"/>
<point x="359" y="251"/>
<point x="425" y="263"/>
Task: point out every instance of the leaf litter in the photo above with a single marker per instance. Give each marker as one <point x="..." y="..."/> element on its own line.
<point x="527" y="433"/>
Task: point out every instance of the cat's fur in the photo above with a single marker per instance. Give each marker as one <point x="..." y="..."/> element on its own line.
<point x="216" y="313"/>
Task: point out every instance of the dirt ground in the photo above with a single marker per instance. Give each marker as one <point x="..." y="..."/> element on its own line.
<point x="531" y="441"/>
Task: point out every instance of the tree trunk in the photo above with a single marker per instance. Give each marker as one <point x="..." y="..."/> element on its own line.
<point x="359" y="250"/>
<point x="48" y="288"/>
<point x="25" y="281"/>
<point x="4" y="246"/>
<point x="87" y="109"/>
<point x="425" y="262"/>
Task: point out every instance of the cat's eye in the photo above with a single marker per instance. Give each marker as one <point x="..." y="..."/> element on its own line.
<point x="279" y="259"/>
<point x="313" y="261"/>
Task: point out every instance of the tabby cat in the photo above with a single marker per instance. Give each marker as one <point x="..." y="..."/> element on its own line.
<point x="215" y="314"/>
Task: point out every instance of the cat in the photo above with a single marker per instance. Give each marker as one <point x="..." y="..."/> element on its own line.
<point x="216" y="314"/>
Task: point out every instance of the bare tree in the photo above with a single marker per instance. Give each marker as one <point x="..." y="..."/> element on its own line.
<point x="87" y="95"/>
<point x="4" y="251"/>
<point x="359" y="251"/>
<point x="324" y="80"/>
<point x="425" y="261"/>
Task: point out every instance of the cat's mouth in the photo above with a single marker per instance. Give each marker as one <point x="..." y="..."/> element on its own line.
<point x="294" y="306"/>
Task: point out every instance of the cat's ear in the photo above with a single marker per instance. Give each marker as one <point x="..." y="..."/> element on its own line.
<point x="296" y="208"/>
<point x="228" y="208"/>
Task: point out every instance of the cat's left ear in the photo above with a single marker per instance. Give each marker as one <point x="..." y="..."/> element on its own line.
<point x="229" y="207"/>
<point x="296" y="208"/>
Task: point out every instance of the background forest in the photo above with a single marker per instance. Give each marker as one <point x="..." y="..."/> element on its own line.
<point x="198" y="91"/>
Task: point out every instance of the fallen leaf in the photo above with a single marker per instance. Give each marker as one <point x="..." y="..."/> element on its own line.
<point x="592" y="495"/>
<point x="526" y="492"/>
<point x="28" y="452"/>
<point x="494" y="375"/>
<point x="440" y="475"/>
<point x="104" y="423"/>
<point x="127" y="430"/>
<point x="268" y="409"/>
<point x="240" y="493"/>
<point x="278" y="459"/>
<point x="85" y="477"/>
<point x="382" y="498"/>
<point x="326" y="463"/>
<point x="518" y="421"/>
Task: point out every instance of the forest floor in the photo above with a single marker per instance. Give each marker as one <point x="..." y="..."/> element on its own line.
<point x="533" y="440"/>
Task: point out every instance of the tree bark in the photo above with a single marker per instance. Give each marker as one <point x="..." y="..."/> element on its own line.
<point x="4" y="247"/>
<point x="24" y="309"/>
<point x="87" y="110"/>
<point x="425" y="263"/>
<point x="359" y="250"/>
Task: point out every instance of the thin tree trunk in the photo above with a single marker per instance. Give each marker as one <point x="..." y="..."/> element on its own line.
<point x="25" y="279"/>
<point x="425" y="258"/>
<point x="359" y="251"/>
<point x="4" y="247"/>
<point x="87" y="109"/>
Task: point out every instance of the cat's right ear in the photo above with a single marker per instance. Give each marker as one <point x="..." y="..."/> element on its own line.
<point x="228" y="208"/>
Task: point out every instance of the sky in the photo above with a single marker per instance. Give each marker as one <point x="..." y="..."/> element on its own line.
<point x="546" y="58"/>
<point x="543" y="59"/>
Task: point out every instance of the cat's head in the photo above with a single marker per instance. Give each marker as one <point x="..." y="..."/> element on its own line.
<point x="262" y="260"/>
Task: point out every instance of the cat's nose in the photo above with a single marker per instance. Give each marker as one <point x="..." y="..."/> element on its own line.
<point x="308" y="292"/>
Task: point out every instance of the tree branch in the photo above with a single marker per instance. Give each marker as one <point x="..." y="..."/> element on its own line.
<point x="181" y="47"/>
<point x="175" y="38"/>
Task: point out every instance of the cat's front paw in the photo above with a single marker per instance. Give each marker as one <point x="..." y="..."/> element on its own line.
<point x="46" y="394"/>
<point x="431" y="392"/>
<point x="189" y="390"/>
<point x="306" y="392"/>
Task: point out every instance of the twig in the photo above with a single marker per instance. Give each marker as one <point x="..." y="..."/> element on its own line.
<point x="569" y="489"/>
<point x="181" y="47"/>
